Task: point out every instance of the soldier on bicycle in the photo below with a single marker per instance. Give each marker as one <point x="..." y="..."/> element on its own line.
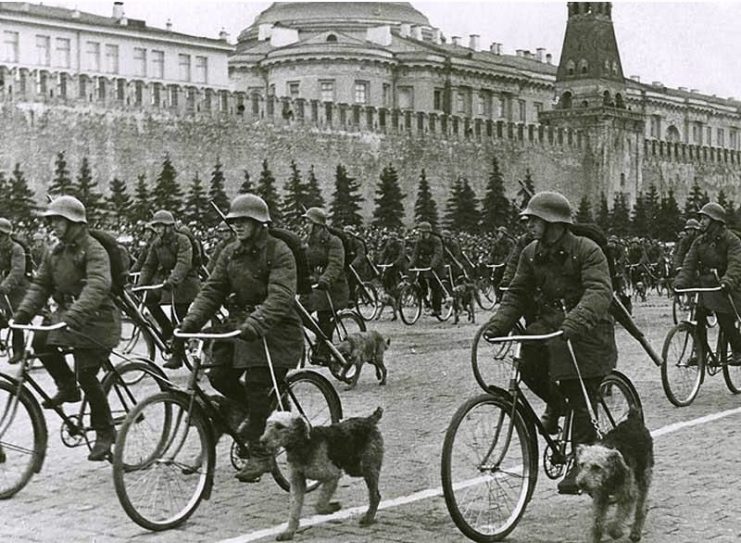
<point x="565" y="280"/>
<point x="14" y="283"/>
<point x="428" y="253"/>
<point x="170" y="261"/>
<point x="690" y="232"/>
<point x="715" y="254"/>
<point x="76" y="273"/>
<point x="256" y="278"/>
<point x="326" y="258"/>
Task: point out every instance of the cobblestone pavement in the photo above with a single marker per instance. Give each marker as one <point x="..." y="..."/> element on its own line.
<point x="694" y="495"/>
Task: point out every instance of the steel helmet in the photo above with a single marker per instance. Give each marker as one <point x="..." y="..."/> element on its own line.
<point x="316" y="215"/>
<point x="162" y="217"/>
<point x="692" y="224"/>
<point x="249" y="206"/>
<point x="549" y="206"/>
<point x="5" y="226"/>
<point x="424" y="226"/>
<point x="68" y="207"/>
<point x="714" y="211"/>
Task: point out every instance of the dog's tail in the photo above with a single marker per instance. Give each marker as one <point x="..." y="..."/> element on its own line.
<point x="376" y="416"/>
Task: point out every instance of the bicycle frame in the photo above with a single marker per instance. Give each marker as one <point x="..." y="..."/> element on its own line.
<point x="418" y="271"/>
<point x="307" y="318"/>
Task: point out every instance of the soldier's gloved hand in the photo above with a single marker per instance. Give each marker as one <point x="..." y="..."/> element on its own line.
<point x="248" y="333"/>
<point x="4" y="290"/>
<point x="491" y="333"/>
<point x="22" y="317"/>
<point x="73" y="323"/>
<point x="167" y="285"/>
<point x="567" y="334"/>
<point x="726" y="286"/>
<point x="188" y="326"/>
<point x="322" y="284"/>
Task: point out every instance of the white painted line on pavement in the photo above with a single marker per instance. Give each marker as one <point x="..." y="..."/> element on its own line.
<point x="435" y="492"/>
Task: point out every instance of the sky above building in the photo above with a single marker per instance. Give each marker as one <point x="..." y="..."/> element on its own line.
<point x="680" y="44"/>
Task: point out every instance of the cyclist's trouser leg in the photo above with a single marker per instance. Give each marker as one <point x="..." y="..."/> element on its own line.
<point x="259" y="385"/>
<point x="326" y="325"/>
<point x="224" y="377"/>
<point x="701" y="315"/>
<point x="534" y="372"/>
<point x="88" y="363"/>
<point x="53" y="361"/>
<point x="727" y="322"/>
<point x="436" y="293"/>
<point x="582" y="429"/>
<point x="163" y="320"/>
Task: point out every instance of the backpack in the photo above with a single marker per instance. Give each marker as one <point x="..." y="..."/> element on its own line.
<point x="199" y="255"/>
<point x="30" y="264"/>
<point x="303" y="275"/>
<point x="347" y="244"/>
<point x="119" y="257"/>
<point x="595" y="233"/>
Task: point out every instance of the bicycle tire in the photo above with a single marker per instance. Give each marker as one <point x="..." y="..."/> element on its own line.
<point x="491" y="362"/>
<point x="22" y="452"/>
<point x="682" y="372"/>
<point x="731" y="372"/>
<point x="350" y="323"/>
<point x="446" y="304"/>
<point x="486" y="517"/>
<point x="367" y="300"/>
<point x="136" y="341"/>
<point x="486" y="296"/>
<point x="149" y="380"/>
<point x="409" y="304"/>
<point x="171" y="455"/>
<point x="322" y="406"/>
<point x="617" y="397"/>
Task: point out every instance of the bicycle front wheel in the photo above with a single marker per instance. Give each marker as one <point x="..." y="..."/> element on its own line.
<point x="135" y="342"/>
<point x="487" y="295"/>
<point x="163" y="464"/>
<point x="23" y="438"/>
<point x="367" y="300"/>
<point x="410" y="304"/>
<point x="313" y="396"/>
<point x="683" y="364"/>
<point x="492" y="362"/>
<point x="489" y="468"/>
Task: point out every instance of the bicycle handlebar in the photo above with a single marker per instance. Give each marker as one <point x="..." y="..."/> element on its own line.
<point x="147" y="287"/>
<point x="697" y="289"/>
<point x="384" y="266"/>
<point x="417" y="270"/>
<point x="207" y="335"/>
<point x="36" y="327"/>
<point x="523" y="339"/>
<point x="495" y="266"/>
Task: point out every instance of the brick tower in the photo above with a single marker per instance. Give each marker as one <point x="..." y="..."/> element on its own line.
<point x="590" y="96"/>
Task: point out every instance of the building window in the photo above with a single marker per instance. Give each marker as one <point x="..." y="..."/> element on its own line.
<point x="224" y="101"/>
<point x="538" y="107"/>
<point x="697" y="134"/>
<point x="327" y="91"/>
<point x="156" y="95"/>
<point x="190" y="99"/>
<point x="140" y="61"/>
<point x="406" y="98"/>
<point x="43" y="52"/>
<point x="583" y="66"/>
<point x="138" y="93"/>
<point x="63" y="85"/>
<point x="201" y="69"/>
<point x="62" y="46"/>
<point x="293" y="89"/>
<point x="437" y="102"/>
<point x="158" y="64"/>
<point x="386" y="98"/>
<point x="361" y="92"/>
<point x="42" y="88"/>
<point x="93" y="56"/>
<point x="184" y="67"/>
<point x="733" y="136"/>
<point x="101" y="89"/>
<point x="570" y="67"/>
<point x="614" y="68"/>
<point x="502" y="108"/>
<point x="460" y="102"/>
<point x="481" y="104"/>
<point x="82" y="87"/>
<point x="10" y="46"/>
<point x="120" y="89"/>
<point x="173" y="96"/>
<point x="111" y="59"/>
<point x="721" y="138"/>
<point x="271" y="89"/>
<point x="655" y="126"/>
<point x="522" y="105"/>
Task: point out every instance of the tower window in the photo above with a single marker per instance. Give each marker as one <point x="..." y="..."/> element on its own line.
<point x="570" y="67"/>
<point x="332" y="38"/>
<point x="583" y="66"/>
<point x="614" y="68"/>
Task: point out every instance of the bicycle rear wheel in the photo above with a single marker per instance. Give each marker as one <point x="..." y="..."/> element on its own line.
<point x="312" y="395"/>
<point x="489" y="468"/>
<point x="23" y="438"/>
<point x="135" y="342"/>
<point x="683" y="367"/>
<point x="367" y="300"/>
<point x="410" y="304"/>
<point x="446" y="305"/>
<point x="163" y="463"/>
<point x="616" y="399"/>
<point x="487" y="296"/>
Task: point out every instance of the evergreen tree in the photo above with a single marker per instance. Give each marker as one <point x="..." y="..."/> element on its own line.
<point x="669" y="220"/>
<point x="196" y="202"/>
<point x="694" y="201"/>
<point x="166" y="193"/>
<point x="603" y="214"/>
<point x="246" y="186"/>
<point x="468" y="209"/>
<point x="584" y="214"/>
<point x="389" y="200"/>
<point x="314" y="196"/>
<point x="526" y="190"/>
<point x="722" y="199"/>
<point x="21" y="199"/>
<point x="425" y="207"/>
<point x="216" y="194"/>
<point x="4" y="188"/>
<point x="652" y="207"/>
<point x="345" y="206"/>
<point x="87" y="193"/>
<point x="141" y="207"/>
<point x="496" y="208"/>
<point x="450" y="219"/>
<point x="294" y="199"/>
<point x="639" y="220"/>
<point x="119" y="200"/>
<point x="620" y="216"/>
<point x="267" y="191"/>
<point x="61" y="183"/>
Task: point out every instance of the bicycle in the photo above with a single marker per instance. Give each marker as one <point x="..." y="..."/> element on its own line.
<point x="23" y="427"/>
<point x="686" y="359"/>
<point x="489" y="465"/>
<point x="165" y="455"/>
<point x="413" y="296"/>
<point x="366" y="296"/>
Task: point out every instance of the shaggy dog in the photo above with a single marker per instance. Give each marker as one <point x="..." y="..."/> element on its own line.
<point x="463" y="298"/>
<point x="618" y="469"/>
<point x="322" y="453"/>
<point x="360" y="348"/>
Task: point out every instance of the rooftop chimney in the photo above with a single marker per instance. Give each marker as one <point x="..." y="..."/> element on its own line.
<point x="683" y="89"/>
<point x="657" y="84"/>
<point x="474" y="42"/>
<point x="436" y="35"/>
<point x="405" y="30"/>
<point x="118" y="11"/>
<point x="456" y="40"/>
<point x="540" y="54"/>
<point x="223" y="34"/>
<point x="493" y="48"/>
<point x="548" y="58"/>
<point x="417" y="32"/>
<point x="168" y="25"/>
<point x="519" y="52"/>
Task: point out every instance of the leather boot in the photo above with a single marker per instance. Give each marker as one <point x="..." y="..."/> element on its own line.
<point x="104" y="439"/>
<point x="177" y="356"/>
<point x="260" y="462"/>
<point x="3" y="457"/>
<point x="17" y="357"/>
<point x="67" y="393"/>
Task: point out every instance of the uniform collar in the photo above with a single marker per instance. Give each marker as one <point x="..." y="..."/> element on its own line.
<point x="560" y="245"/>
<point x="257" y="242"/>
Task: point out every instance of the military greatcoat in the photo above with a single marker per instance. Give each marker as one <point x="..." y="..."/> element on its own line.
<point x="575" y="270"/>
<point x="170" y="258"/>
<point x="12" y="270"/>
<point x="326" y="258"/>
